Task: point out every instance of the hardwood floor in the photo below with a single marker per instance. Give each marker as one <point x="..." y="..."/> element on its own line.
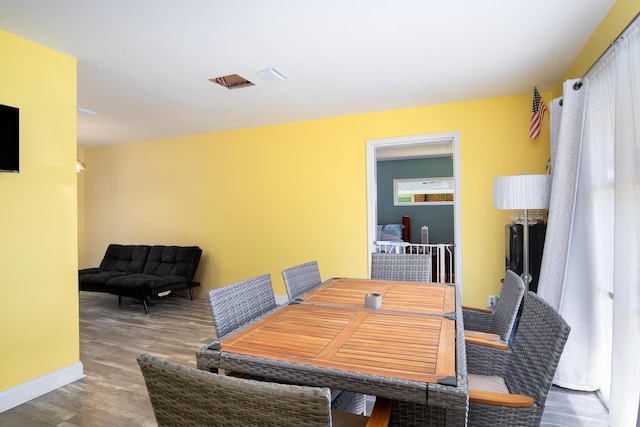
<point x="111" y="337"/>
<point x="573" y="408"/>
<point x="113" y="392"/>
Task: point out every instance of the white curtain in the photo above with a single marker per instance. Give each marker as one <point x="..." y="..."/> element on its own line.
<point x="567" y="127"/>
<point x="591" y="263"/>
<point x="625" y="380"/>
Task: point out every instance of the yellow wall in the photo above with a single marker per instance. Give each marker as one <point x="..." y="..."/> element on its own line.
<point x="81" y="216"/>
<point x="38" y="216"/>
<point x="260" y="200"/>
<point x="263" y="199"/>
<point x="233" y="193"/>
<point x="620" y="14"/>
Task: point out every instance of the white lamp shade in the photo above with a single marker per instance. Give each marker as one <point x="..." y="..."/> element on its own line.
<point x="522" y="192"/>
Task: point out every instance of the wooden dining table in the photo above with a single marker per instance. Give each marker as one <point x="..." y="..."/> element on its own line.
<point x="410" y="350"/>
<point x="434" y="298"/>
<point x="400" y="345"/>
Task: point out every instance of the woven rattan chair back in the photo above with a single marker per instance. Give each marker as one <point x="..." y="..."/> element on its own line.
<point x="508" y="305"/>
<point x="235" y="305"/>
<point x="501" y="321"/>
<point x="537" y="347"/>
<point x="528" y="367"/>
<point x="301" y="279"/>
<point x="401" y="267"/>
<point x="181" y="395"/>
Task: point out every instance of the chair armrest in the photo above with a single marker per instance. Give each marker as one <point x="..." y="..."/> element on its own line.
<point x="485" y="360"/>
<point x="380" y="414"/>
<point x="500" y="399"/>
<point x="482" y="335"/>
<point x="480" y="309"/>
<point x="486" y="343"/>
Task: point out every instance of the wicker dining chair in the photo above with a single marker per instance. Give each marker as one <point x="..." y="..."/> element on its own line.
<point x="510" y="387"/>
<point x="181" y="395"/>
<point x="235" y="305"/>
<point x="496" y="325"/>
<point x="301" y="279"/>
<point x="401" y="267"/>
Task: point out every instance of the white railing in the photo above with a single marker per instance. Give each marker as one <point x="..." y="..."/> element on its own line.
<point x="441" y="262"/>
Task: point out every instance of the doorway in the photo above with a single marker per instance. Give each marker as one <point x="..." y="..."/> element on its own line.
<point x="412" y="147"/>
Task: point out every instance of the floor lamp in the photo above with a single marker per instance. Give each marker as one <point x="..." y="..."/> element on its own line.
<point x="522" y="192"/>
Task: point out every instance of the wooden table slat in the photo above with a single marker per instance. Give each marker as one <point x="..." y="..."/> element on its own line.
<point x="433" y="298"/>
<point x="402" y="345"/>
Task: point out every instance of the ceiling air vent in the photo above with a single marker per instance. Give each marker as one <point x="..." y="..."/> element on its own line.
<point x="272" y="74"/>
<point x="232" y="81"/>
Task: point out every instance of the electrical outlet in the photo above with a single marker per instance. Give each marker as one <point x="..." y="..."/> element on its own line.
<point x="492" y="300"/>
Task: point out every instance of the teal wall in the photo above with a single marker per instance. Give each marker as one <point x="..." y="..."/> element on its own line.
<point x="439" y="218"/>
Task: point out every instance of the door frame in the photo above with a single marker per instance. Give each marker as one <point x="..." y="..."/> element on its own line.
<point x="372" y="180"/>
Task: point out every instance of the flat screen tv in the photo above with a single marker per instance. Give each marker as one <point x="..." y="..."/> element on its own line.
<point x="9" y="139"/>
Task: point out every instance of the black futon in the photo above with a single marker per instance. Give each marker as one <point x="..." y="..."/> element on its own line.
<point x="143" y="271"/>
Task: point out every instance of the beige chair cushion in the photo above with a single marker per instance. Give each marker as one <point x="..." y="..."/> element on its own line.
<point x="492" y="390"/>
<point x="493" y="384"/>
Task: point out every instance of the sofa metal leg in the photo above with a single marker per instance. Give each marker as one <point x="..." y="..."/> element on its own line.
<point x="119" y="299"/>
<point x="146" y="307"/>
<point x="191" y="293"/>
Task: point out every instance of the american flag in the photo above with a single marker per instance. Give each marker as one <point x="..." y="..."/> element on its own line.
<point x="537" y="112"/>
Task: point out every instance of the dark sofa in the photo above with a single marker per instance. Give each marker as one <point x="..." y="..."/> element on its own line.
<point x="143" y="271"/>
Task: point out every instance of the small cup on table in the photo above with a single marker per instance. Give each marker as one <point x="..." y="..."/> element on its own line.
<point x="373" y="300"/>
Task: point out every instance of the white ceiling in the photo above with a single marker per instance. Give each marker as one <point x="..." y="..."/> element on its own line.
<point x="144" y="65"/>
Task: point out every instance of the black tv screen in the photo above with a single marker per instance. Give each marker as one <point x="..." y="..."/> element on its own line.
<point x="9" y="139"/>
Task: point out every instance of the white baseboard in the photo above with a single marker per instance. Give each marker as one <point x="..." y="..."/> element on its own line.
<point x="37" y="387"/>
